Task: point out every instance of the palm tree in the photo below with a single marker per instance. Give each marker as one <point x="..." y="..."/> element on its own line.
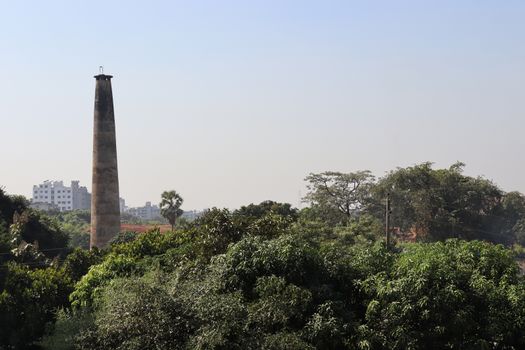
<point x="170" y="206"/>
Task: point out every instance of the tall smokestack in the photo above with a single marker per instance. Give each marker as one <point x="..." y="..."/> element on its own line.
<point x="105" y="209"/>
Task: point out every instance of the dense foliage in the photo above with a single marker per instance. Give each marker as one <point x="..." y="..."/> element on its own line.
<point x="429" y="204"/>
<point x="224" y="284"/>
<point x="76" y="224"/>
<point x="268" y="276"/>
<point x="31" y="284"/>
<point x="291" y="292"/>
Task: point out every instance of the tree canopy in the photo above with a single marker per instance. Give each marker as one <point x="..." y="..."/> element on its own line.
<point x="340" y="193"/>
<point x="170" y="206"/>
<point x="268" y="276"/>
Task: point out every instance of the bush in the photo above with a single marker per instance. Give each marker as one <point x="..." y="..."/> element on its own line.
<point x="29" y="301"/>
<point x="140" y="314"/>
<point x="90" y="287"/>
<point x="219" y="285"/>
<point x="447" y="295"/>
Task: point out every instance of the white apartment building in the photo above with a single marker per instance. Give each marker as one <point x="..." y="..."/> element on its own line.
<point x="62" y="197"/>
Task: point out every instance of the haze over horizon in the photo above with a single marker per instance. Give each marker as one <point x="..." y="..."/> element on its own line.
<point x="236" y="102"/>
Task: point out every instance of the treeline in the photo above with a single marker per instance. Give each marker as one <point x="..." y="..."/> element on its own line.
<point x="432" y="204"/>
<point x="270" y="282"/>
<point x="269" y="276"/>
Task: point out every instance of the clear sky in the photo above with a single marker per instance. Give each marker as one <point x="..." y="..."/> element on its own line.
<point x="234" y="102"/>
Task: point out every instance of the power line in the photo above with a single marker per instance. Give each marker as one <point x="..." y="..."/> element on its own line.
<point x="42" y="250"/>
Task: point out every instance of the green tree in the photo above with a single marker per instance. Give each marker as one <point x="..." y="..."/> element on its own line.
<point x="140" y="314"/>
<point x="9" y="205"/>
<point x="90" y="285"/>
<point x="436" y="204"/>
<point x="510" y="222"/>
<point x="338" y="194"/>
<point x="27" y="233"/>
<point x="79" y="261"/>
<point x="28" y="302"/>
<point x="220" y="284"/>
<point x="519" y="231"/>
<point x="170" y="207"/>
<point x="76" y="225"/>
<point x="446" y="295"/>
<point x="257" y="211"/>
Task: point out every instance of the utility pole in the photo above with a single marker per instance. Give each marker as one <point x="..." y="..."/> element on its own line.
<point x="388" y="211"/>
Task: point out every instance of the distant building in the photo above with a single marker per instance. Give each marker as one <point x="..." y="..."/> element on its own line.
<point x="147" y="212"/>
<point x="191" y="215"/>
<point x="54" y="195"/>
<point x="81" y="196"/>
<point x="122" y="204"/>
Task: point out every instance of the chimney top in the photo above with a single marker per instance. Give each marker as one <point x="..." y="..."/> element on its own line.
<point x="103" y="77"/>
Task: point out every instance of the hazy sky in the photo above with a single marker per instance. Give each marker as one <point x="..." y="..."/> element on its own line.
<point x="233" y="102"/>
